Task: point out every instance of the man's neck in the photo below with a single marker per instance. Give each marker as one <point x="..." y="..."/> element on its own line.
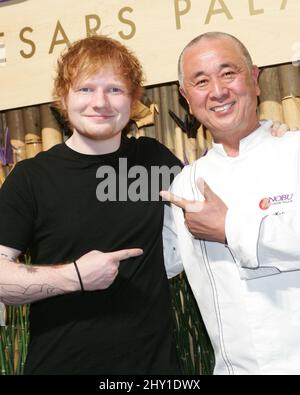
<point x="231" y="142"/>
<point x="88" y="146"/>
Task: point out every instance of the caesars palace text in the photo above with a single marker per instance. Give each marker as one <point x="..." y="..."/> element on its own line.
<point x="127" y="27"/>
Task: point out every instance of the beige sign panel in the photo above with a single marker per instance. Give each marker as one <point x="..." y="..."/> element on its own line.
<point x="34" y="32"/>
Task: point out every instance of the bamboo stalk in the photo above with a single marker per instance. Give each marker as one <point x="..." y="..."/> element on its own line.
<point x="32" y="122"/>
<point x="150" y="129"/>
<point x="289" y="77"/>
<point x="2" y="314"/>
<point x="14" y="338"/>
<point x="202" y="142"/>
<point x="208" y="138"/>
<point x="291" y="111"/>
<point x="3" y="121"/>
<point x="171" y="124"/>
<point x="191" y="148"/>
<point x="178" y="140"/>
<point x="190" y="144"/>
<point x="15" y="125"/>
<point x="179" y="146"/>
<point x="2" y="175"/>
<point x="33" y="145"/>
<point x="51" y="134"/>
<point x="1" y="126"/>
<point x="270" y="97"/>
<point x="33" y="141"/>
<point x="2" y="352"/>
<point x="167" y="123"/>
<point x="157" y="116"/>
<point x="141" y="132"/>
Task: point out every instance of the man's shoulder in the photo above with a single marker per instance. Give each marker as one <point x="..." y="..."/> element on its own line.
<point x="146" y="144"/>
<point x="289" y="141"/>
<point x="31" y="164"/>
<point x="149" y="147"/>
<point x="292" y="135"/>
<point x="56" y="150"/>
<point x="151" y="143"/>
<point x="187" y="174"/>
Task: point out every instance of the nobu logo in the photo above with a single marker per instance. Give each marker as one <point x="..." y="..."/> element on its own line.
<point x="265" y="203"/>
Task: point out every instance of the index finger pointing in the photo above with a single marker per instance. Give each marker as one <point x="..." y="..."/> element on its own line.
<point x="192" y="206"/>
<point x="120" y="255"/>
<point x="170" y="197"/>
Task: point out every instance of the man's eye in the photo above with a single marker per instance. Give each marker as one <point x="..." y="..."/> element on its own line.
<point x="202" y="83"/>
<point x="85" y="89"/>
<point x="115" y="89"/>
<point x="229" y="74"/>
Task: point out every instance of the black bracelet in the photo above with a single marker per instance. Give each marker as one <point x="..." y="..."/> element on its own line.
<point x="79" y="277"/>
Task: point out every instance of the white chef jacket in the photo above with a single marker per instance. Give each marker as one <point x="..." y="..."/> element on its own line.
<point x="249" y="291"/>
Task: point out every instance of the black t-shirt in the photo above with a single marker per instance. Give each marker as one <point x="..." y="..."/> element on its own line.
<point x="51" y="205"/>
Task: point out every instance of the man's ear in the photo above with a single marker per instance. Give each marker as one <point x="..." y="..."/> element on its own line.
<point x="181" y="90"/>
<point x="255" y="74"/>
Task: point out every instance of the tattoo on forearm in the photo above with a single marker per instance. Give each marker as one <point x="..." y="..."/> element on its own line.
<point x="15" y="294"/>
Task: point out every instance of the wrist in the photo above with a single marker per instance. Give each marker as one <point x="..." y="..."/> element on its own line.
<point x="79" y="276"/>
<point x="70" y="278"/>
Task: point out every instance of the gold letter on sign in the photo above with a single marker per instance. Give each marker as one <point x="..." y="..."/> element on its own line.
<point x="92" y="30"/>
<point x="65" y="39"/>
<point x="283" y="4"/>
<point x="127" y="22"/>
<point x="254" y="11"/>
<point x="222" y="10"/>
<point x="27" y="41"/>
<point x="179" y="12"/>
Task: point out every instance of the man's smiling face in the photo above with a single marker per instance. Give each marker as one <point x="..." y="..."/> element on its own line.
<point x="220" y="87"/>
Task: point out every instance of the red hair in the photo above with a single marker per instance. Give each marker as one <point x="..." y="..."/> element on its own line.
<point x="86" y="56"/>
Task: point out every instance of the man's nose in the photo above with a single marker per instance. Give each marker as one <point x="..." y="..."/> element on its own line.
<point x="218" y="90"/>
<point x="99" y="99"/>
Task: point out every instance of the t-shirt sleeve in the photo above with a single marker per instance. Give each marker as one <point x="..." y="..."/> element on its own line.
<point x="17" y="211"/>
